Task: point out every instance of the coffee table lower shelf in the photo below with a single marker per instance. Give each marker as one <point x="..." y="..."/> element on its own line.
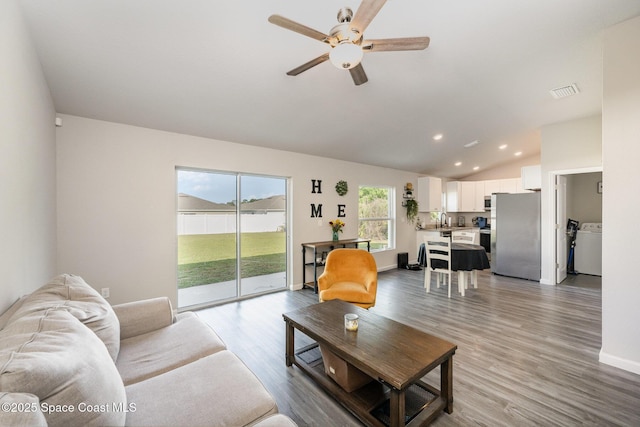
<point x="371" y="402"/>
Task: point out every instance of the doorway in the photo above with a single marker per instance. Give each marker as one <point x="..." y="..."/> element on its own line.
<point x="578" y="196"/>
<point x="232" y="236"/>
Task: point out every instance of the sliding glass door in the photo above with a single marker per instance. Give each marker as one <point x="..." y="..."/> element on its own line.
<point x="231" y="236"/>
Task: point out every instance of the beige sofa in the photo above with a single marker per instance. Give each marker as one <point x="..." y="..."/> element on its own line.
<point x="67" y="358"/>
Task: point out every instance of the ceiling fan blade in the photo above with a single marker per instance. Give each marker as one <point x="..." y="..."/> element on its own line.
<point x="407" y="43"/>
<point x="358" y="75"/>
<point x="287" y="23"/>
<point x="366" y="12"/>
<point x="304" y="67"/>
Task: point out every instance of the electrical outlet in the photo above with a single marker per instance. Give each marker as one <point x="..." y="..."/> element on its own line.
<point x="105" y="292"/>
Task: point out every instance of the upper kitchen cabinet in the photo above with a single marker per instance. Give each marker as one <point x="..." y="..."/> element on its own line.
<point x="509" y="185"/>
<point x="532" y="177"/>
<point x="429" y="194"/>
<point x="463" y="197"/>
<point x="491" y="186"/>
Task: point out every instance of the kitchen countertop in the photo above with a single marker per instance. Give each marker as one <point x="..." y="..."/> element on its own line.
<point x="452" y="228"/>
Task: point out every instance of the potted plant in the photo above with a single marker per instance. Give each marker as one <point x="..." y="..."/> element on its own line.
<point x="412" y="209"/>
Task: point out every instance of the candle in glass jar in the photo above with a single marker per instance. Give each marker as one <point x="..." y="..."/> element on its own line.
<point x="351" y="322"/>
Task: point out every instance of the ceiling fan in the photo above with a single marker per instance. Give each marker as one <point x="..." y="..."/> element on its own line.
<point x="347" y="42"/>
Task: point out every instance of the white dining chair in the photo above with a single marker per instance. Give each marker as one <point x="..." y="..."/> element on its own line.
<point x="463" y="236"/>
<point x="437" y="248"/>
<point x="471" y="237"/>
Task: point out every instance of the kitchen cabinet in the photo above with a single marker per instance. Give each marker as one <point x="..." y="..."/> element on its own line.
<point x="454" y="193"/>
<point x="463" y="197"/>
<point x="532" y="177"/>
<point x="479" y="199"/>
<point x="491" y="186"/>
<point x="509" y="185"/>
<point x="468" y="196"/>
<point x="429" y="194"/>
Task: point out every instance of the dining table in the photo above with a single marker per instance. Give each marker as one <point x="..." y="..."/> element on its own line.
<point x="465" y="257"/>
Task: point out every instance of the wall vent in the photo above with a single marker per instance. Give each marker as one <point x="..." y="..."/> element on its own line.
<point x="563" y="92"/>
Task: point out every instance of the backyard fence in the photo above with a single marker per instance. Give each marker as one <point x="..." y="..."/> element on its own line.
<point x="226" y="223"/>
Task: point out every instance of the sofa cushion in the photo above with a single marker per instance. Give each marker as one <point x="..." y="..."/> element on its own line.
<point x="156" y="352"/>
<point x="7" y="315"/>
<point x="73" y="294"/>
<point x="221" y="390"/>
<point x="277" y="420"/>
<point x="21" y="409"/>
<point x="347" y="291"/>
<point x="52" y="355"/>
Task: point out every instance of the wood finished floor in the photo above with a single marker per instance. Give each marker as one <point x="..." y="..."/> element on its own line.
<point x="527" y="353"/>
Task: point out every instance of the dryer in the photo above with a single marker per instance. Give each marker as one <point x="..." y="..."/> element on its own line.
<point x="588" y="251"/>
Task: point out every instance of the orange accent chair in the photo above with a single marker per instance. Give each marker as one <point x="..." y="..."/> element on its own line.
<point x="350" y="275"/>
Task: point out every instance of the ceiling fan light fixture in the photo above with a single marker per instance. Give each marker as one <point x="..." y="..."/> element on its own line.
<point x="346" y="55"/>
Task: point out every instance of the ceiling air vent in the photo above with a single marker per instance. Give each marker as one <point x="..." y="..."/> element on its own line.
<point x="563" y="92"/>
<point x="471" y="144"/>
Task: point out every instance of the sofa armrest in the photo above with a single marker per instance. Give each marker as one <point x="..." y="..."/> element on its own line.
<point x="21" y="409"/>
<point x="139" y="317"/>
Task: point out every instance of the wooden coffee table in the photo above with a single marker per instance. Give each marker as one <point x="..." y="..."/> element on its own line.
<point x="394" y="354"/>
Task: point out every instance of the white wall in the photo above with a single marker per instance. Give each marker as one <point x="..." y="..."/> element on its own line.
<point x="27" y="162"/>
<point x="568" y="146"/>
<point x="584" y="203"/>
<point x="621" y="174"/>
<point x="509" y="170"/>
<point x="108" y="172"/>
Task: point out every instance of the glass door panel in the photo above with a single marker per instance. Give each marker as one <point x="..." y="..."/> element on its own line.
<point x="207" y="237"/>
<point x="263" y="244"/>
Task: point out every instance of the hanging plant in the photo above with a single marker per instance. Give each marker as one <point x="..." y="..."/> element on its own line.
<point x="412" y="209"/>
<point x="342" y="188"/>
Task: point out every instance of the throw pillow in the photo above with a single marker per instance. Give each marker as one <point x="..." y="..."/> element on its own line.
<point x="52" y="355"/>
<point x="71" y="293"/>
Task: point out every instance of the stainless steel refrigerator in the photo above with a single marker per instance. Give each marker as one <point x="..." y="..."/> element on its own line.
<point x="515" y="235"/>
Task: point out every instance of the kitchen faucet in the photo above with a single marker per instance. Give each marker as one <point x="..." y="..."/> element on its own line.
<point x="445" y="219"/>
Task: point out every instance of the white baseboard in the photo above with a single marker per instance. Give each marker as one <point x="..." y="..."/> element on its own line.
<point x="618" y="362"/>
<point x="387" y="268"/>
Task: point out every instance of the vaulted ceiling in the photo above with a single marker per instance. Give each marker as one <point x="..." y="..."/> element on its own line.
<point x="217" y="69"/>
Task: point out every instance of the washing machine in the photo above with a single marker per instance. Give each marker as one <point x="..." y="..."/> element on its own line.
<point x="588" y="251"/>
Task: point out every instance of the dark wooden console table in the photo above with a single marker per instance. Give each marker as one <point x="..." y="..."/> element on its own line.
<point x="330" y="245"/>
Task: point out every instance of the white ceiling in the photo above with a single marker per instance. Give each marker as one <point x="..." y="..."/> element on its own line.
<point x="217" y="69"/>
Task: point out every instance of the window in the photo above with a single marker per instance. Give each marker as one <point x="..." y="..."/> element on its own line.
<point x="376" y="216"/>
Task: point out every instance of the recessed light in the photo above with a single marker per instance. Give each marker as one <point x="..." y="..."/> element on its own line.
<point x="519" y="153"/>
<point x="437" y="137"/>
<point x="503" y="146"/>
<point x="458" y="163"/>
<point x="475" y="168"/>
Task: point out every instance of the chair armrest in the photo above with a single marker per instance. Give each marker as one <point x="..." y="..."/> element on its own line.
<point x="139" y="317"/>
<point x="371" y="281"/>
<point x="325" y="280"/>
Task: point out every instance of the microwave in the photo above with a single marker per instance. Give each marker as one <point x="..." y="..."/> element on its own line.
<point x="487" y="203"/>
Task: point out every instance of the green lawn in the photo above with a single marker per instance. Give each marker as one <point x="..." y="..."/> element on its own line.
<point x="211" y="258"/>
